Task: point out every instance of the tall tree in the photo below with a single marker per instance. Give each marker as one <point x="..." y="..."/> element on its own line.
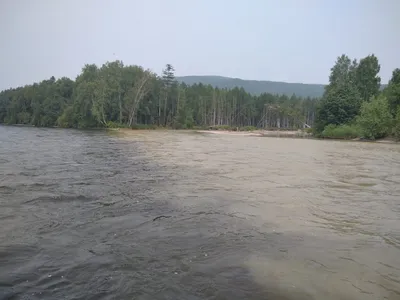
<point x="116" y="94"/>
<point x="168" y="78"/>
<point x="341" y="72"/>
<point x="392" y="92"/>
<point x="366" y="75"/>
<point x="139" y="89"/>
<point x="340" y="106"/>
<point x="341" y="101"/>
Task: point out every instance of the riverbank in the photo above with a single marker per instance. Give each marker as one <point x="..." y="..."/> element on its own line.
<point x="258" y="133"/>
<point x="386" y="140"/>
<point x="261" y="133"/>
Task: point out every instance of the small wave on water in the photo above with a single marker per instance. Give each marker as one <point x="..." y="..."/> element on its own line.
<point x="175" y="215"/>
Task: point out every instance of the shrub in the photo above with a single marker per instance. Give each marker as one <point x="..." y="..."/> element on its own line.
<point x="375" y="119"/>
<point x="111" y="124"/>
<point x="340" y="132"/>
<point x="223" y="127"/>
<point x="67" y="119"/>
<point x="248" y="128"/>
<point x="309" y="130"/>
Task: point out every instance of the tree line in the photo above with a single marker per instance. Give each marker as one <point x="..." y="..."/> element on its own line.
<point x="353" y="104"/>
<point x="118" y="95"/>
<point x="115" y="95"/>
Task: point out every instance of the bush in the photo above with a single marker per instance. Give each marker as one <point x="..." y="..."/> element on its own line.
<point x="201" y="127"/>
<point x="223" y="127"/>
<point x="67" y="119"/>
<point x="375" y="119"/>
<point x="248" y="128"/>
<point x="111" y="124"/>
<point x="340" y="132"/>
<point x="24" y="118"/>
<point x="309" y="130"/>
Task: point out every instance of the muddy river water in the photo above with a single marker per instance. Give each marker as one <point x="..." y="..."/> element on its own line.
<point x="186" y="215"/>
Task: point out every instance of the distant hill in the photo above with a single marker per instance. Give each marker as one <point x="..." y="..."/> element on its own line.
<point x="257" y="87"/>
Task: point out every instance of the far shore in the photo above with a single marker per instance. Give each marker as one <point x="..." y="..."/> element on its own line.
<point x="261" y="133"/>
<point x="266" y="133"/>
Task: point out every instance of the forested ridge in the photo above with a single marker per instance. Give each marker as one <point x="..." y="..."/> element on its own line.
<point x="257" y="87"/>
<point x="118" y="95"/>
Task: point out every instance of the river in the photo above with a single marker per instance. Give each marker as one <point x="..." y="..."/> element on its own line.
<point x="185" y="215"/>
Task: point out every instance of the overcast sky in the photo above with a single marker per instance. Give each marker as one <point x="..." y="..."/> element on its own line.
<point x="279" y="40"/>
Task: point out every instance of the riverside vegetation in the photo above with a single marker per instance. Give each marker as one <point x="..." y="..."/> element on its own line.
<point x="354" y="105"/>
<point x="116" y="95"/>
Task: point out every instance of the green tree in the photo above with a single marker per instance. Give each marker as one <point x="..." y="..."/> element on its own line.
<point x="83" y="99"/>
<point x="118" y="95"/>
<point x="340" y="105"/>
<point x="392" y="91"/>
<point x="139" y="89"/>
<point x="168" y="79"/>
<point x="341" y="100"/>
<point x="375" y="119"/>
<point x="342" y="72"/>
<point x="366" y="77"/>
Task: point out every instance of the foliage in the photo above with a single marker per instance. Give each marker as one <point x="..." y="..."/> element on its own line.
<point x="114" y="95"/>
<point x="222" y="127"/>
<point x="396" y="124"/>
<point x="340" y="131"/>
<point x="341" y="99"/>
<point x="342" y="72"/>
<point x="392" y="92"/>
<point x="309" y="130"/>
<point x="248" y="128"/>
<point x="67" y="119"/>
<point x="112" y="124"/>
<point x="375" y="119"/>
<point x="366" y="77"/>
<point x="339" y="106"/>
<point x="351" y="85"/>
<point x="117" y="95"/>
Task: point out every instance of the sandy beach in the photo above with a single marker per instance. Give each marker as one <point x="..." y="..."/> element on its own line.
<point x="265" y="133"/>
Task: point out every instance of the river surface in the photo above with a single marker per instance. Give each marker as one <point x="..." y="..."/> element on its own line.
<point x="184" y="215"/>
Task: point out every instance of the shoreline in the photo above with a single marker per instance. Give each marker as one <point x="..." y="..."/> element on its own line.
<point x="261" y="133"/>
<point x="255" y="133"/>
<point x="299" y="134"/>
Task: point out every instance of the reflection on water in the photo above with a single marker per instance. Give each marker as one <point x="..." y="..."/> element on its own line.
<point x="183" y="215"/>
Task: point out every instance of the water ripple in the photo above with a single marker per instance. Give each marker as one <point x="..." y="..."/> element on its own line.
<point x="177" y="215"/>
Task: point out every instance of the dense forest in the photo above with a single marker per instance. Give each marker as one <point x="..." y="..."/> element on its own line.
<point x="115" y="95"/>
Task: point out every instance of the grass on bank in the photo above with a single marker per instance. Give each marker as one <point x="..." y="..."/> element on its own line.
<point x="345" y="132"/>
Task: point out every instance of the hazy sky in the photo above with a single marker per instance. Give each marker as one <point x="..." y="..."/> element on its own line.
<point x="280" y="40"/>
